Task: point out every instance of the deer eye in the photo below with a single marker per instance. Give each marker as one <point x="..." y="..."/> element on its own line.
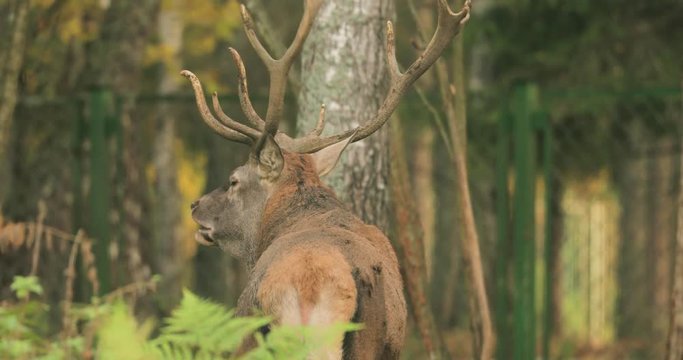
<point x="233" y="182"/>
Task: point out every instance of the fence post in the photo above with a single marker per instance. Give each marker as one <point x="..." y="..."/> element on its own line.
<point x="100" y="188"/>
<point x="525" y="102"/>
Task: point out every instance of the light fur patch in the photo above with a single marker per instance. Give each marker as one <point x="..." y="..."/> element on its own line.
<point x="310" y="287"/>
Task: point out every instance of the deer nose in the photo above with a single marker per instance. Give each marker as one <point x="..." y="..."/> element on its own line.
<point x="194" y="205"/>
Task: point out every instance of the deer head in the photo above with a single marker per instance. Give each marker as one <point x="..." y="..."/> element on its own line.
<point x="231" y="216"/>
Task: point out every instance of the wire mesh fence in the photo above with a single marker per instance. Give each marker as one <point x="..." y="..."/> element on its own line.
<point x="589" y="269"/>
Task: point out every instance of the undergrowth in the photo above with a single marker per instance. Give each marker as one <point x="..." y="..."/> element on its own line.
<point x="196" y="329"/>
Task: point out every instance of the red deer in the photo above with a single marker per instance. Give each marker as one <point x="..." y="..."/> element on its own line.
<point x="310" y="260"/>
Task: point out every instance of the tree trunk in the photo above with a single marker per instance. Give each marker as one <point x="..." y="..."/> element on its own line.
<point x="661" y="232"/>
<point x="674" y="349"/>
<point x="115" y="62"/>
<point x="484" y="340"/>
<point x="344" y="67"/>
<point x="167" y="195"/>
<point x="10" y="68"/>
<point x="424" y="192"/>
<point x="634" y="268"/>
<point x="409" y="236"/>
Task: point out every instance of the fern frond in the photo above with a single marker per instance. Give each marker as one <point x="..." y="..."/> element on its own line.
<point x="204" y="328"/>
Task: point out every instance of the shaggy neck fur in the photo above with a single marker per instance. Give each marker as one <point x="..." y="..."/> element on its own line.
<point x="299" y="195"/>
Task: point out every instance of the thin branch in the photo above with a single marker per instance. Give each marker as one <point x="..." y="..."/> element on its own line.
<point x="132" y="289"/>
<point x="38" y="236"/>
<point x="443" y="132"/>
<point x="70" y="274"/>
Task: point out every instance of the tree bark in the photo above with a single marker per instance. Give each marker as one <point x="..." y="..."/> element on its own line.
<point x="12" y="62"/>
<point x="409" y="237"/>
<point x="674" y="349"/>
<point x="115" y="62"/>
<point x="425" y="196"/>
<point x="167" y="195"/>
<point x="485" y="341"/>
<point x="634" y="267"/>
<point x="344" y="67"/>
<point x="661" y="231"/>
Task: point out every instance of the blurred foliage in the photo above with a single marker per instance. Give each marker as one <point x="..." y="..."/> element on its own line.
<point x="23" y="286"/>
<point x="197" y="329"/>
<point x="561" y="44"/>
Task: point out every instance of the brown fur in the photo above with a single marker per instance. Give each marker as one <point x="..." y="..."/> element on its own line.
<point x="310" y="260"/>
<point x="310" y="274"/>
<point x="311" y="244"/>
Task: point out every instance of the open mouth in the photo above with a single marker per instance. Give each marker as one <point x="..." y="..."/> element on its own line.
<point x="203" y="236"/>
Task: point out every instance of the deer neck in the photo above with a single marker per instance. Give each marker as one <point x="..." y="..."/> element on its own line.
<point x="293" y="207"/>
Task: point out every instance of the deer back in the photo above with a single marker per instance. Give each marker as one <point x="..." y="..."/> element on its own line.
<point x="319" y="263"/>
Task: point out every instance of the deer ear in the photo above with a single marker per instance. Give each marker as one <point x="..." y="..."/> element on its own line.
<point x="326" y="158"/>
<point x="270" y="159"/>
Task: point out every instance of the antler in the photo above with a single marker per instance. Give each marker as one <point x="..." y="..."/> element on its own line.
<point x="222" y="129"/>
<point x="448" y="25"/>
<point x="277" y="69"/>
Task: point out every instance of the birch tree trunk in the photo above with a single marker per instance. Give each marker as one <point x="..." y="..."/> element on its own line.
<point x="167" y="195"/>
<point x="344" y="67"/>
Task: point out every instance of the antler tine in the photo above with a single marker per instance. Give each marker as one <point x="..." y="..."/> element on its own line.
<point x="243" y="90"/>
<point x="311" y="8"/>
<point x="320" y="126"/>
<point x="208" y="118"/>
<point x="279" y="68"/>
<point x="449" y="24"/>
<point x="390" y="47"/>
<point x="229" y="122"/>
<point x="250" y="30"/>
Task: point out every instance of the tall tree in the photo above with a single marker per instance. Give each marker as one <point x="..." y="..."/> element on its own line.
<point x="167" y="196"/>
<point x="115" y="62"/>
<point x="410" y="247"/>
<point x="674" y="349"/>
<point x="11" y="59"/>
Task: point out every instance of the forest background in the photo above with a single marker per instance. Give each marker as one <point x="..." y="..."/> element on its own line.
<point x="576" y="208"/>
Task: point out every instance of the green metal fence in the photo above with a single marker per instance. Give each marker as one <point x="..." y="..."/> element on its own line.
<point x="586" y="189"/>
